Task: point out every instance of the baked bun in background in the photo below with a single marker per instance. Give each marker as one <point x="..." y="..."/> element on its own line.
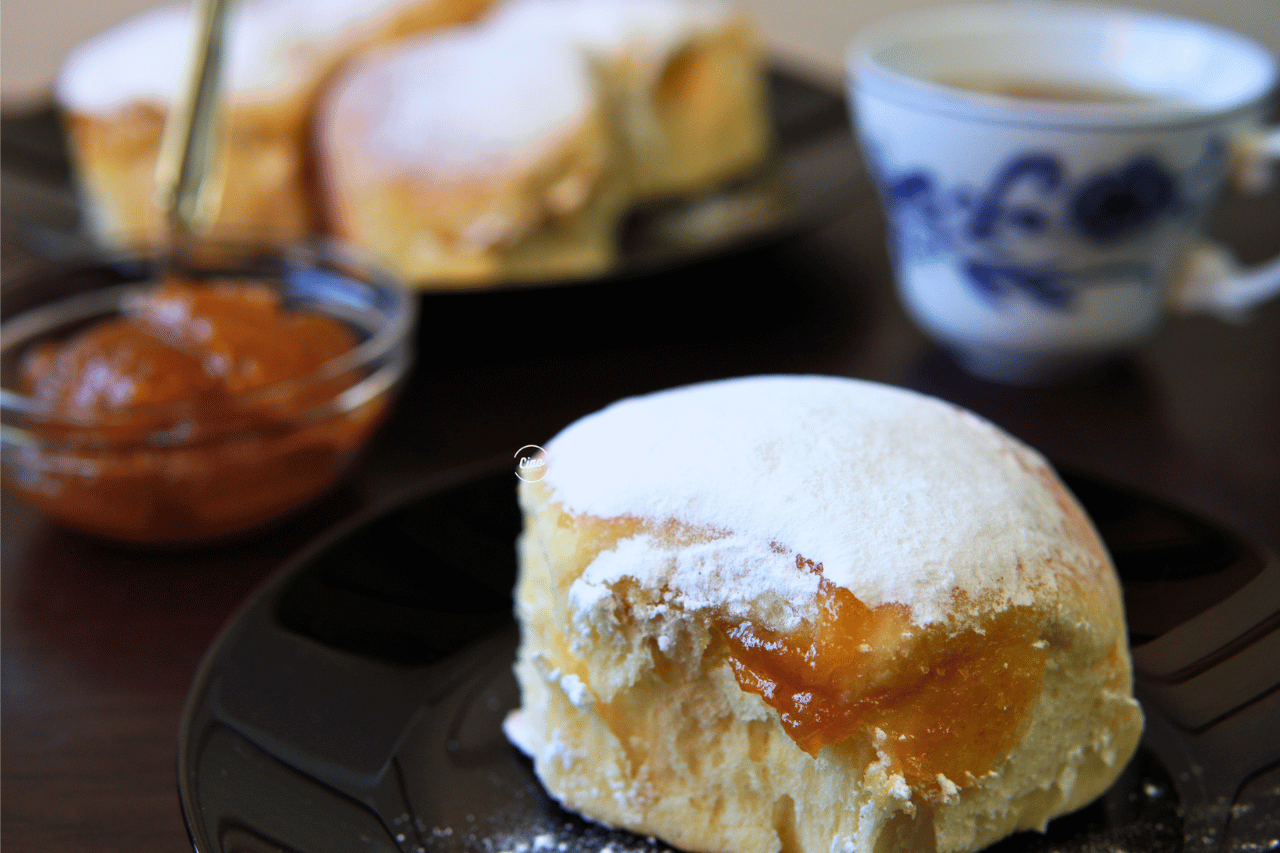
<point x="685" y="79"/>
<point x="115" y="92"/>
<point x="473" y="155"/>
<point x="816" y="615"/>
<point x="511" y="150"/>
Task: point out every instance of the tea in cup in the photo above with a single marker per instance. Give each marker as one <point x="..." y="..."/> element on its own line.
<point x="1045" y="170"/>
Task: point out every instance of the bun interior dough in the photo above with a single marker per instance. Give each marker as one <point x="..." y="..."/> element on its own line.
<point x="814" y="615"/>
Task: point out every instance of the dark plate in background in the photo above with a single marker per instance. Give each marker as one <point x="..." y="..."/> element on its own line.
<point x="813" y="170"/>
<point x="355" y="703"/>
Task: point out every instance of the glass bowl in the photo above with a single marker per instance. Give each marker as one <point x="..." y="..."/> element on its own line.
<point x="165" y="468"/>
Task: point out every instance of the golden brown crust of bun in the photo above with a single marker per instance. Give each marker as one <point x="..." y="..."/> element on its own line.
<point x="709" y="106"/>
<point x="554" y="216"/>
<point x="266" y="200"/>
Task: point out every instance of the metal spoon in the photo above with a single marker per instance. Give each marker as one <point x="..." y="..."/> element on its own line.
<point x="187" y="183"/>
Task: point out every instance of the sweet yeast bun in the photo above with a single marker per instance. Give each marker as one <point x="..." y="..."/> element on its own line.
<point x="473" y="155"/>
<point x="813" y="614"/>
<point x="512" y="149"/>
<point x="115" y="92"/>
<point x="685" y="79"/>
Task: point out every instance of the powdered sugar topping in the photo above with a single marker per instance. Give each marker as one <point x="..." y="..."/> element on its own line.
<point x="270" y="45"/>
<point x="467" y="101"/>
<point x="901" y="497"/>
<point x="734" y="576"/>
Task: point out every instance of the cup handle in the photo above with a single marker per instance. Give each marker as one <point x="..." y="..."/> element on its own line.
<point x="1254" y="154"/>
<point x="1210" y="279"/>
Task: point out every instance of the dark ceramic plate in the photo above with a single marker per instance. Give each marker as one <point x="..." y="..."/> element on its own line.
<point x="355" y="703"/>
<point x="814" y="170"/>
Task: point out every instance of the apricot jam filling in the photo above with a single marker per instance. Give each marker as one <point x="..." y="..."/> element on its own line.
<point x="933" y="701"/>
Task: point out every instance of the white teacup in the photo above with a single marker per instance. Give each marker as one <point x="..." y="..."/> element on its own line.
<point x="1045" y="168"/>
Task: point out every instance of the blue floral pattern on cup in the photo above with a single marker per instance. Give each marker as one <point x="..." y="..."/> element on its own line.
<point x="1114" y="205"/>
<point x="989" y="231"/>
<point x="1043" y="170"/>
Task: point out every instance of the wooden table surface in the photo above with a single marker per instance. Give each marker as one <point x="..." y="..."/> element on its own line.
<point x="100" y="642"/>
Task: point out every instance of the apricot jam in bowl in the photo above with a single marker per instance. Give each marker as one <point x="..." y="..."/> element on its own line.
<point x="157" y="402"/>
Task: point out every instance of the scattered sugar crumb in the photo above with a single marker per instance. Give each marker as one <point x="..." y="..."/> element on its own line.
<point x="576" y="690"/>
<point x="948" y="787"/>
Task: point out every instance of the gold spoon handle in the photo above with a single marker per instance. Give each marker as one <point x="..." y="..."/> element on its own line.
<point x="186" y="169"/>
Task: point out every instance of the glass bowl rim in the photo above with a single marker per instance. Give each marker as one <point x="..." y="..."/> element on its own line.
<point x="326" y="254"/>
